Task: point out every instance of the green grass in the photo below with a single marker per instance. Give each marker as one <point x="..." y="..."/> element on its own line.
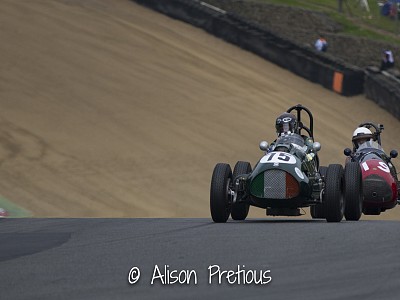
<point x="13" y="210"/>
<point x="354" y="20"/>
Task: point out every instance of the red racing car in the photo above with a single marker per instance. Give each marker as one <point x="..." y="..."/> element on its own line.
<point x="380" y="185"/>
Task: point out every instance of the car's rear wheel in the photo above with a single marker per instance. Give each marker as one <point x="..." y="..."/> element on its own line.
<point x="353" y="195"/>
<point x="376" y="211"/>
<point x="240" y="210"/>
<point x="220" y="203"/>
<point x="333" y="195"/>
<point x="318" y="211"/>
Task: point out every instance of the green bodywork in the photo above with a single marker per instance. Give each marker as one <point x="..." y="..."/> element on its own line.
<point x="304" y="169"/>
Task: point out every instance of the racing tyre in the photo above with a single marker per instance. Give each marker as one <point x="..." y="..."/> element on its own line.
<point x="323" y="170"/>
<point x="240" y="210"/>
<point x="220" y="203"/>
<point x="372" y="211"/>
<point x="333" y="196"/>
<point x="353" y="191"/>
<point x="318" y="211"/>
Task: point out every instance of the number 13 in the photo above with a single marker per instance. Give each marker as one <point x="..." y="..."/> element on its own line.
<point x="382" y="166"/>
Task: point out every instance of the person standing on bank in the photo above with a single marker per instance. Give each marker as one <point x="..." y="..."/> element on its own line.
<point x="321" y="44"/>
<point x="387" y="60"/>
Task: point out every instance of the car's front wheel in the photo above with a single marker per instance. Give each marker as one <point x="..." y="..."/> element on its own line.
<point x="318" y="211"/>
<point x="240" y="210"/>
<point x="353" y="195"/>
<point x="333" y="195"/>
<point x="220" y="203"/>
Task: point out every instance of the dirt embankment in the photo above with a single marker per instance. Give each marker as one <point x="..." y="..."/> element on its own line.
<point x="109" y="109"/>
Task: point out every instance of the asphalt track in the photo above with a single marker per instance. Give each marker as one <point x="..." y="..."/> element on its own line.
<point x="91" y="258"/>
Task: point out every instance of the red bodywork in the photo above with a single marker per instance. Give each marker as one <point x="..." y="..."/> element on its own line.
<point x="379" y="186"/>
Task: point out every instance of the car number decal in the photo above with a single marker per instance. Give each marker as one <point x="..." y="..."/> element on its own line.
<point x="278" y="158"/>
<point x="365" y="166"/>
<point x="382" y="166"/>
<point x="299" y="173"/>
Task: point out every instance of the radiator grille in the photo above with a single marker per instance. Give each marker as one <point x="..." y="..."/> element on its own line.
<point x="275" y="184"/>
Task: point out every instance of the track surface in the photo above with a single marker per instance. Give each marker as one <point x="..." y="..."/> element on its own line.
<point x="91" y="258"/>
<point x="109" y="109"/>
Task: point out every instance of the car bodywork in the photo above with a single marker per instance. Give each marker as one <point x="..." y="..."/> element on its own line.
<point x="285" y="179"/>
<point x="379" y="176"/>
<point x="291" y="175"/>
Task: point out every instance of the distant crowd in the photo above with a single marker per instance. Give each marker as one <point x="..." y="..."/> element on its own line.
<point x="387" y="60"/>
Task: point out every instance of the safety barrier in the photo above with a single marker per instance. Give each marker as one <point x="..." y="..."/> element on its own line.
<point x="384" y="90"/>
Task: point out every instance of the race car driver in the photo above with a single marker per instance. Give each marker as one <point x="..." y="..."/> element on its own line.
<point x="287" y="129"/>
<point x="360" y="136"/>
<point x="286" y="123"/>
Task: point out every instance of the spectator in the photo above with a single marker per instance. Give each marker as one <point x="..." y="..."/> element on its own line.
<point x="386" y="8"/>
<point x="393" y="11"/>
<point x="321" y="44"/>
<point x="387" y="60"/>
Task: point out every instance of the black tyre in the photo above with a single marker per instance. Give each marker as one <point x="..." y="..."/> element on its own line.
<point x="240" y="210"/>
<point x="353" y="195"/>
<point x="318" y="211"/>
<point x="220" y="204"/>
<point x="323" y="170"/>
<point x="372" y="211"/>
<point x="333" y="195"/>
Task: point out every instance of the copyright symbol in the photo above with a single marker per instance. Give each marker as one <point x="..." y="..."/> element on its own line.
<point x="134" y="275"/>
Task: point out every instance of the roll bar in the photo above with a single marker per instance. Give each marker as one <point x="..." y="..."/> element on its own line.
<point x="378" y="130"/>
<point x="298" y="108"/>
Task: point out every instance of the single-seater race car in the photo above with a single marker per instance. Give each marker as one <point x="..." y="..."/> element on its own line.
<point x="380" y="185"/>
<point x="285" y="179"/>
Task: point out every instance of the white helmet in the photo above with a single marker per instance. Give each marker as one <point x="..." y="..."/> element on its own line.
<point x="361" y="135"/>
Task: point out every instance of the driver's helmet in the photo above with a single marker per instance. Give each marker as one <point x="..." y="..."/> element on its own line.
<point x="360" y="136"/>
<point x="286" y="123"/>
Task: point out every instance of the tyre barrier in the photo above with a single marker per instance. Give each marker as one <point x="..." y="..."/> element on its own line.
<point x="321" y="68"/>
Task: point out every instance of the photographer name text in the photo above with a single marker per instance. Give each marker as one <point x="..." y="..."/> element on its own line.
<point x="239" y="275"/>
